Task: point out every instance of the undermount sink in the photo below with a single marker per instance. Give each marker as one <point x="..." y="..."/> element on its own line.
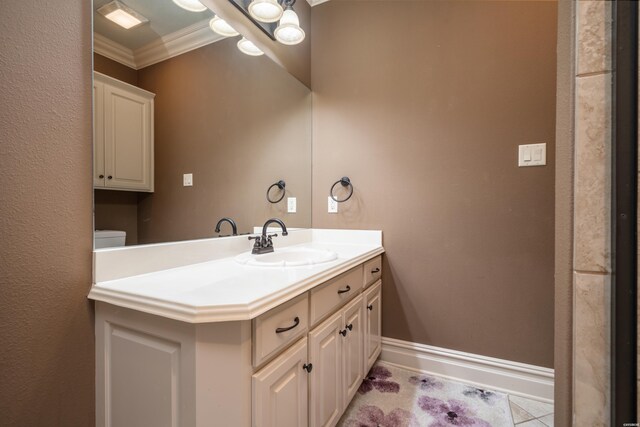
<point x="288" y="257"/>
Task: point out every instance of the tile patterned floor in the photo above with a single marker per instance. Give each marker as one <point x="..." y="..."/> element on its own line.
<point x="530" y="413"/>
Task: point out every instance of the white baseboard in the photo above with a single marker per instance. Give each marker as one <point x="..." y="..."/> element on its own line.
<point x="520" y="379"/>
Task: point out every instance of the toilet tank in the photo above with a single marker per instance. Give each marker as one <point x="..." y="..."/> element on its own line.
<point x="109" y="238"/>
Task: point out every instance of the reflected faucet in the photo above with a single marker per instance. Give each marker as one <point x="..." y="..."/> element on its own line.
<point x="234" y="227"/>
<point x="264" y="243"/>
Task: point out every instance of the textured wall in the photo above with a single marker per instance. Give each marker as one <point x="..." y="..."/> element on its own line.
<point x="423" y="105"/>
<point x="239" y="124"/>
<point x="46" y="322"/>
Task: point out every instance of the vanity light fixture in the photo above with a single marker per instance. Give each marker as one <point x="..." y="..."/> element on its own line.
<point x="247" y="47"/>
<point x="265" y="10"/>
<point x="222" y="27"/>
<point x="289" y="31"/>
<point x="122" y="15"/>
<point x="191" y="5"/>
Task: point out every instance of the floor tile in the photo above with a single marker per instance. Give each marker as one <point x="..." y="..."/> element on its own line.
<point x="519" y="414"/>
<point x="532" y="423"/>
<point x="534" y="407"/>
<point x="547" y="420"/>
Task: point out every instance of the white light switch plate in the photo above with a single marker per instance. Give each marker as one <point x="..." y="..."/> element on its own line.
<point x="532" y="155"/>
<point x="333" y="205"/>
<point x="291" y="204"/>
<point x="187" y="180"/>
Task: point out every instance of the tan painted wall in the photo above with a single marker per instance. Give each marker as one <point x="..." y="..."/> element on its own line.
<point x="239" y="124"/>
<point x="423" y="105"/>
<point x="46" y="322"/>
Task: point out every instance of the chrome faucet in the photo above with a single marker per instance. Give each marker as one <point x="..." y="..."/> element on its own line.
<point x="264" y="243"/>
<point x="234" y="227"/>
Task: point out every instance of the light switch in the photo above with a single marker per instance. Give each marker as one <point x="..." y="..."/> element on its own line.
<point x="333" y="205"/>
<point x="532" y="155"/>
<point x="291" y="204"/>
<point x="187" y="180"/>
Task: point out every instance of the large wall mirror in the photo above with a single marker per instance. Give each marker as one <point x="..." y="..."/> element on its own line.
<point x="188" y="129"/>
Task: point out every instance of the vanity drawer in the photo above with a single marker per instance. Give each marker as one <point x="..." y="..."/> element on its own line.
<point x="334" y="293"/>
<point x="372" y="270"/>
<point x="280" y="326"/>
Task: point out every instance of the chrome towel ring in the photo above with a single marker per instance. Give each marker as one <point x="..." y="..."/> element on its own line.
<point x="345" y="182"/>
<point x="281" y="185"/>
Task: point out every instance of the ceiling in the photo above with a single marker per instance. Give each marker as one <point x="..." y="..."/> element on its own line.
<point x="164" y="16"/>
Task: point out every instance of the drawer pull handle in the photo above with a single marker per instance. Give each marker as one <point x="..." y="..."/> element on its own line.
<point x="343" y="332"/>
<point x="344" y="291"/>
<point x="100" y="176"/>
<point x="350" y="326"/>
<point x="375" y="270"/>
<point x="370" y="307"/>
<point x="307" y="367"/>
<point x="296" y="322"/>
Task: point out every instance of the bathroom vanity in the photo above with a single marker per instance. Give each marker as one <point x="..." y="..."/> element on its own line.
<point x="200" y="333"/>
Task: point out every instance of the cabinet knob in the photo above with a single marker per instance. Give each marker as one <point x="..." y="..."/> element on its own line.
<point x="109" y="177"/>
<point x="350" y="326"/>
<point x="343" y="332"/>
<point x="100" y="176"/>
<point x="370" y="307"/>
<point x="307" y="367"/>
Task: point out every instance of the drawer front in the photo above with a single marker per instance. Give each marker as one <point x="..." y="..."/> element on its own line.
<point x="372" y="270"/>
<point x="273" y="330"/>
<point x="333" y="294"/>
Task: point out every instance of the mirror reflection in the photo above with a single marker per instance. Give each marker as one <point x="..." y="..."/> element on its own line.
<point x="189" y="130"/>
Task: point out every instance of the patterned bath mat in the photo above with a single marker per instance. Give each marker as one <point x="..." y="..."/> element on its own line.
<point x="394" y="397"/>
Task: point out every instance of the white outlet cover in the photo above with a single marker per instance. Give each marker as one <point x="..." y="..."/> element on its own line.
<point x="187" y="180"/>
<point x="332" y="205"/>
<point x="291" y="205"/>
<point x="532" y="155"/>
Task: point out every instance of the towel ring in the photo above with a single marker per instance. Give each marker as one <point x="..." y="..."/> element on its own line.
<point x="280" y="184"/>
<point x="345" y="182"/>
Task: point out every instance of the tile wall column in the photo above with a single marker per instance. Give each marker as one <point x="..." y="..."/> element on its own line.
<point x="592" y="197"/>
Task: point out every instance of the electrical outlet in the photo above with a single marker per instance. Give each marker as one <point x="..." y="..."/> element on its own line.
<point x="333" y="205"/>
<point x="187" y="180"/>
<point x="291" y="205"/>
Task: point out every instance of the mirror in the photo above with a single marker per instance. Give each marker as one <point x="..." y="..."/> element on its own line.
<point x="188" y="129"/>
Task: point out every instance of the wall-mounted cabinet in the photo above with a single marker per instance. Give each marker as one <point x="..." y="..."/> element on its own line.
<point x="122" y="135"/>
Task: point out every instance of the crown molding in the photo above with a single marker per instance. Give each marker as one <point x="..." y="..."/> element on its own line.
<point x="177" y="43"/>
<point x="112" y="50"/>
<point x="174" y="44"/>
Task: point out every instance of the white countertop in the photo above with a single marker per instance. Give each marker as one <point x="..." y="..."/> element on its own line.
<point x="222" y="289"/>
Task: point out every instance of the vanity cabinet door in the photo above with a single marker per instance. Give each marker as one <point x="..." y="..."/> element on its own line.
<point x="353" y="349"/>
<point x="325" y="353"/>
<point x="128" y="139"/>
<point x="373" y="325"/>
<point x="280" y="390"/>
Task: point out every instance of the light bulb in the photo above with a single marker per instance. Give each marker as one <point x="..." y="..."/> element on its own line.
<point x="265" y="10"/>
<point x="191" y="5"/>
<point x="289" y="31"/>
<point x="222" y="27"/>
<point x="247" y="47"/>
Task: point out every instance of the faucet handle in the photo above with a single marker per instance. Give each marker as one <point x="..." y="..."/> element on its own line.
<point x="258" y="241"/>
<point x="273" y="235"/>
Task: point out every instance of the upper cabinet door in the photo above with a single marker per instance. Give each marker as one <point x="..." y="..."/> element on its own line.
<point x="280" y="390"/>
<point x="128" y="139"/>
<point x="325" y="353"/>
<point x="353" y="349"/>
<point x="373" y="326"/>
<point x="98" y="134"/>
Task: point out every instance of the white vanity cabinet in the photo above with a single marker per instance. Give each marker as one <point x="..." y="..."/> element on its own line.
<point x="298" y="364"/>
<point x="123" y="135"/>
